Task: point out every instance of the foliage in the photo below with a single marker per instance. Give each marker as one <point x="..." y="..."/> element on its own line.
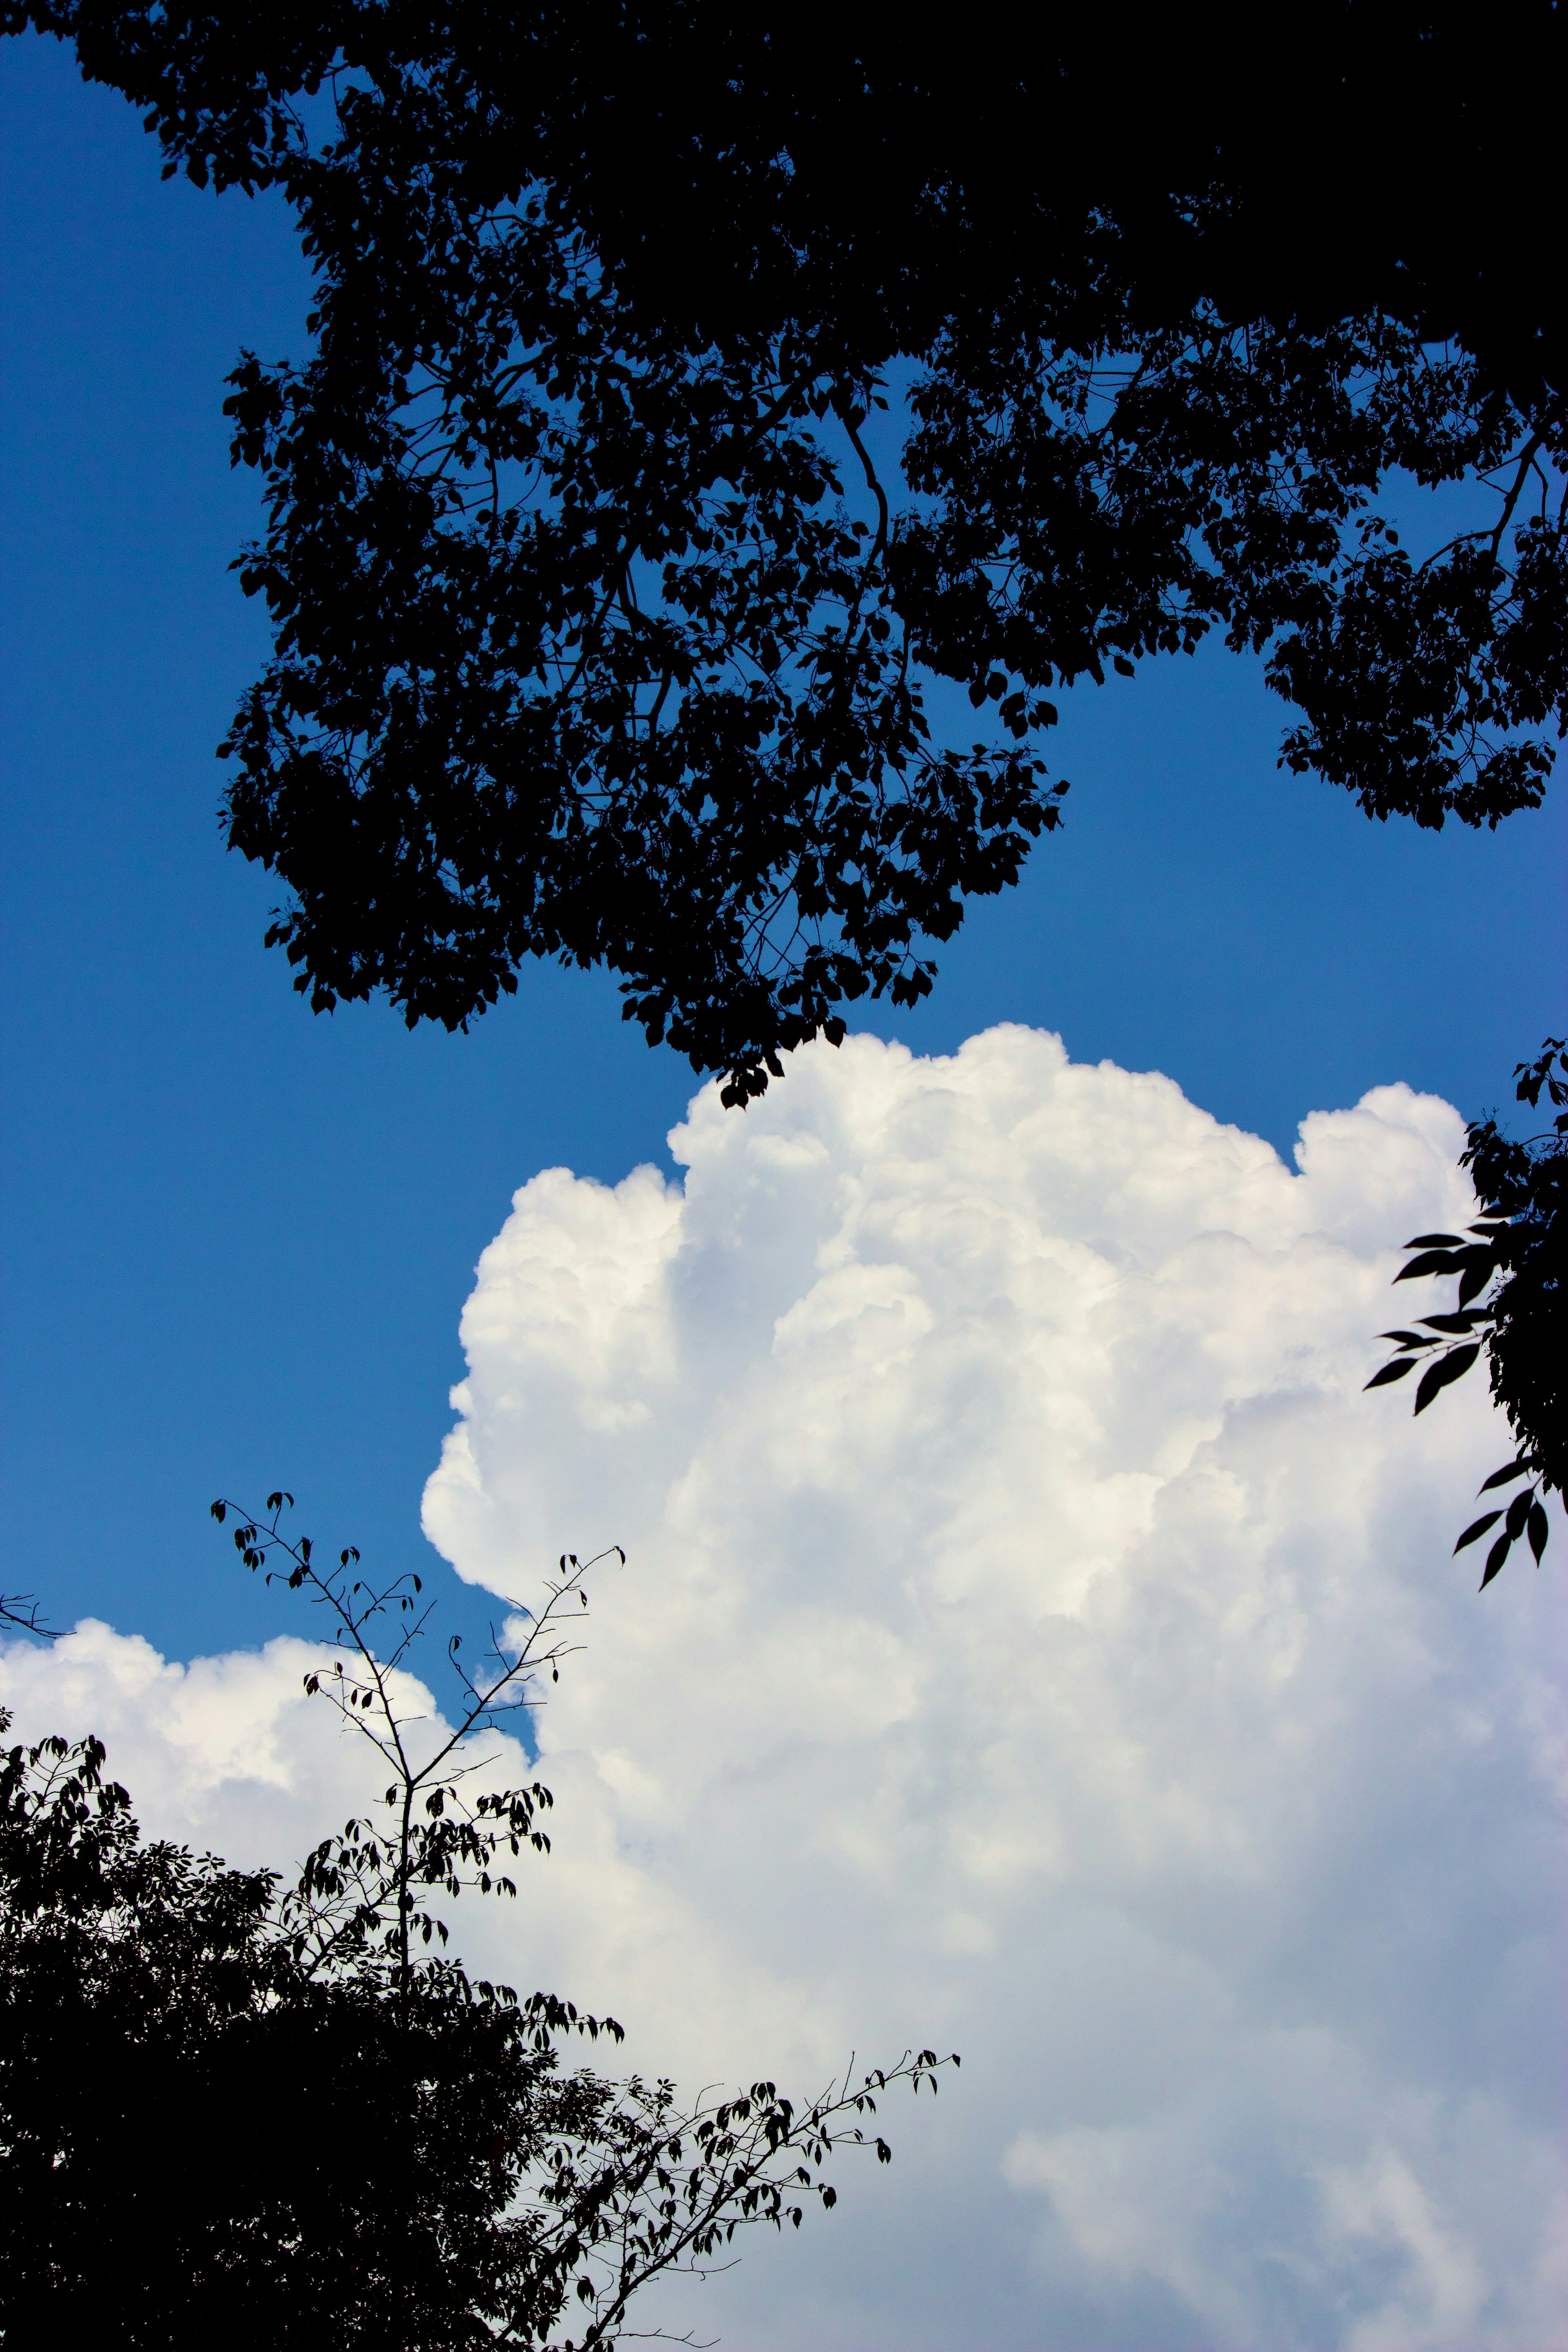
<point x="236" y="2112"/>
<point x="370" y="1889"/>
<point x="1512" y="1267"/>
<point x="605" y="628"/>
<point x="205" y="2141"/>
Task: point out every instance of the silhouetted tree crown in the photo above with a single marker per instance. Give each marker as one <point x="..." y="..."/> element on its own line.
<point x="607" y="597"/>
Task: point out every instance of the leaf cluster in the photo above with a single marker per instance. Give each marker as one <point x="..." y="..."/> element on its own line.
<point x="581" y="647"/>
<point x="1513" y="1269"/>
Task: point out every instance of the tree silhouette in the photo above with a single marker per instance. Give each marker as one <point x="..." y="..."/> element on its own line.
<point x="237" y="2112"/>
<point x="691" y="396"/>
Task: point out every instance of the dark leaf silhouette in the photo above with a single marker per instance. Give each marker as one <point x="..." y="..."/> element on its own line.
<point x="1431" y="1261"/>
<point x="1505" y="1476"/>
<point x="1495" y="1558"/>
<point x="1451" y="1367"/>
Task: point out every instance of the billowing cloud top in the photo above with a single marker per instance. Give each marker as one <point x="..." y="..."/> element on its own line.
<point x="1033" y="1642"/>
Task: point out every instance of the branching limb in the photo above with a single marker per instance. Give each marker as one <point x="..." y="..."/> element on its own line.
<point x="21" y="1610"/>
<point x="440" y="1840"/>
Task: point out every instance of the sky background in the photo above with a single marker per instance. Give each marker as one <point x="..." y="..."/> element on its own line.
<point x="1034" y="1638"/>
<point x="1032" y="1643"/>
<point x="238" y="1235"/>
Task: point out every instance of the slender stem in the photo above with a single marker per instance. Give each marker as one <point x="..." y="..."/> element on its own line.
<point x="404" y="1866"/>
<point x="1526" y="461"/>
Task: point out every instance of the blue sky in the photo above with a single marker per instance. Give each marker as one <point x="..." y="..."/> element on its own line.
<point x="238" y="1237"/>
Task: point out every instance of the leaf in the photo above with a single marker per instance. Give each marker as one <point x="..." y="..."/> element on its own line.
<point x="1537" y="1530"/>
<point x="1447" y="1369"/>
<point x="1478" y="1528"/>
<point x="1429" y="1262"/>
<point x="1474" y="1280"/>
<point x="1495" y="1558"/>
<point x="1395" y="1370"/>
<point x="1435" y="1241"/>
<point x="1519" y="1469"/>
<point x="1518" y="1512"/>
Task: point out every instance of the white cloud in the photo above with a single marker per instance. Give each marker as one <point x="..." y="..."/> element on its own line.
<point x="226" y="1754"/>
<point x="1033" y="1642"/>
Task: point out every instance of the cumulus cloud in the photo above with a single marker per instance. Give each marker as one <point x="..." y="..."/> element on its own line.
<point x="1033" y="1642"/>
<point x="226" y="1754"/>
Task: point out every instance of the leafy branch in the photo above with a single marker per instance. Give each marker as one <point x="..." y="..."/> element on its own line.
<point x="677" y="2185"/>
<point x="1509" y="1306"/>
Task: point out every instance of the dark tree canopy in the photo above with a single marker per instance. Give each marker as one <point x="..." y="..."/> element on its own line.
<point x="202" y="2141"/>
<point x="238" y="2113"/>
<point x="603" y="593"/>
